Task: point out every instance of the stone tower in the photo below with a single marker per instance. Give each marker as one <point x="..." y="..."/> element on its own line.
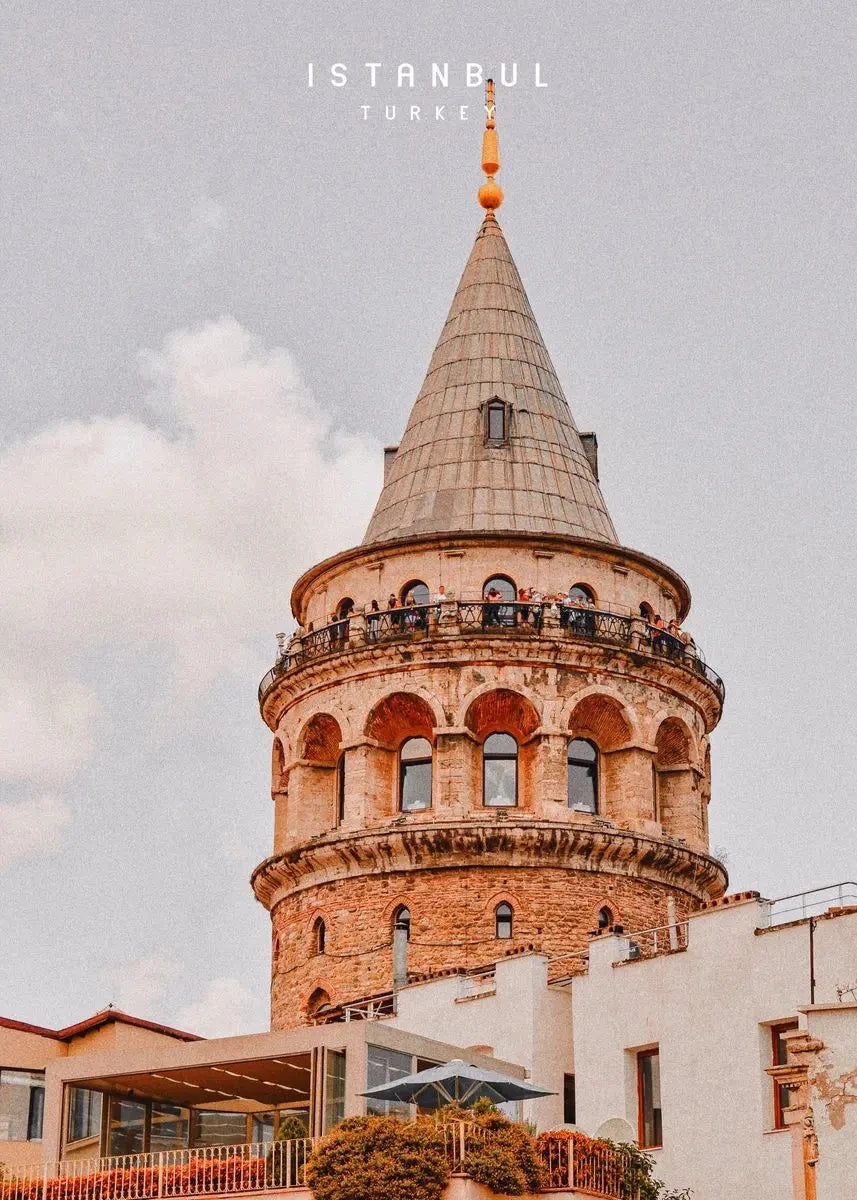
<point x="462" y="776"/>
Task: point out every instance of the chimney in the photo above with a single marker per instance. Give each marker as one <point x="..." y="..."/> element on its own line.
<point x="590" y="448"/>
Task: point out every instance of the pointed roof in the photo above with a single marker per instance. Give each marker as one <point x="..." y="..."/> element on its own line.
<point x="446" y="476"/>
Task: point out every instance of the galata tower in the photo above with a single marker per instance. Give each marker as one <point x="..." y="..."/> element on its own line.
<point x="511" y="747"/>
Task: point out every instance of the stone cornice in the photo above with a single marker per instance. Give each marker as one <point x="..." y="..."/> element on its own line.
<point x="377" y="551"/>
<point x="509" y="842"/>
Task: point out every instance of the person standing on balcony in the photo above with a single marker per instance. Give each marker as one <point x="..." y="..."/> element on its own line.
<point x="491" y="607"/>
<point x="373" y="619"/>
<point x="524" y="596"/>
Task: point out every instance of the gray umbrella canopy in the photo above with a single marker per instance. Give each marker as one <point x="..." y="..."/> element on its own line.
<point x="455" y="1082"/>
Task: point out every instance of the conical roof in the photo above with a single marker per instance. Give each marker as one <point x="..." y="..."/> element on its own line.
<point x="447" y="475"/>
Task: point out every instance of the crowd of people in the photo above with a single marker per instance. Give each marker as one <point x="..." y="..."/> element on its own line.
<point x="575" y="608"/>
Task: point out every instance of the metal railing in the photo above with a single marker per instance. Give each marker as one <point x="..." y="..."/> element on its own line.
<point x="649" y="943"/>
<point x="205" y="1171"/>
<point x="801" y="905"/>
<point x="496" y="618"/>
<point x="592" y="1168"/>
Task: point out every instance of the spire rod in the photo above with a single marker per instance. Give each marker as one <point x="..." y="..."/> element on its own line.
<point x="490" y="194"/>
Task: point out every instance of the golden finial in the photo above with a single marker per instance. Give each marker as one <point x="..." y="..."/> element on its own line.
<point x="490" y="194"/>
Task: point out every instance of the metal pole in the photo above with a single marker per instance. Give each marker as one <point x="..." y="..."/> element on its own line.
<point x="812" y="960"/>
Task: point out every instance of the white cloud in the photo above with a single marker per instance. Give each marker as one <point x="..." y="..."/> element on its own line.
<point x="182" y="534"/>
<point x="139" y="988"/>
<point x="227" y="1007"/>
<point x="31" y="826"/>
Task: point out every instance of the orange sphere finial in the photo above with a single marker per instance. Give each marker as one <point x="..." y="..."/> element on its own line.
<point x="490" y="194"/>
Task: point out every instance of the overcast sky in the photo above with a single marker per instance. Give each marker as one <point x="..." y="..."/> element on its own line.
<point x="222" y="290"/>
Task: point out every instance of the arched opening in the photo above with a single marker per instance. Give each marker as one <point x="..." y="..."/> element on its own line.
<point x="415" y="775"/>
<point x="417" y="589"/>
<point x="582" y="592"/>
<point x="320" y="740"/>
<point x="499" y="594"/>
<point x="345" y="607"/>
<point x="402" y="918"/>
<point x="676" y="788"/>
<point x="340" y="789"/>
<point x="583" y="775"/>
<point x="313" y="780"/>
<point x="500" y="771"/>
<point x="318" y="1003"/>
<point x="503" y="918"/>
<point x="605" y="917"/>
<point x="400" y="716"/>
<point x="646" y="611"/>
<point x="319" y="936"/>
<point x="602" y="719"/>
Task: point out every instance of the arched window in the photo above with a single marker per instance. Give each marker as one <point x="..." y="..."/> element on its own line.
<point x="582" y="775"/>
<point x="415" y="775"/>
<point x="319" y="936"/>
<point x="402" y="916"/>
<point x="344" y="608"/>
<point x="582" y="592"/>
<point x="503" y="915"/>
<point x="647" y="611"/>
<point x="340" y="790"/>
<point x="318" y="1003"/>
<point x="605" y="917"/>
<point x="417" y="589"/>
<point x="500" y="771"/>
<point x="499" y="611"/>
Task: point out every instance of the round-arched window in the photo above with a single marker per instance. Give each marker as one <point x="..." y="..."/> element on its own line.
<point x="647" y="611"/>
<point x="499" y="594"/>
<point x="417" y="589"/>
<point x="582" y="775"/>
<point x="503" y="917"/>
<point x="402" y="916"/>
<point x="345" y="608"/>
<point x="500" y="771"/>
<point x="582" y="592"/>
<point x="415" y="775"/>
<point x="318" y="1003"/>
<point x="319" y="935"/>
<point x="605" y="917"/>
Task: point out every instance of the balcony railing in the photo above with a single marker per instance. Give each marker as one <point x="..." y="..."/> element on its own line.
<point x="593" y="1169"/>
<point x="650" y="943"/>
<point x="469" y="617"/>
<point x="811" y="904"/>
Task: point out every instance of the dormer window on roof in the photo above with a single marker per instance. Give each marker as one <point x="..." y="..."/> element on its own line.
<point x="498" y="421"/>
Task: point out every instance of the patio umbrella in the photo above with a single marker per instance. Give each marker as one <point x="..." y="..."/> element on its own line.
<point x="455" y="1082"/>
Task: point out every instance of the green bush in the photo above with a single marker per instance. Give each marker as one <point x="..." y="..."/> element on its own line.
<point x="379" y="1158"/>
<point x="496" y="1167"/>
<point x="501" y="1134"/>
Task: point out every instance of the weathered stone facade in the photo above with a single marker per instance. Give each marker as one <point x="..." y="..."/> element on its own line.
<point x="343" y="701"/>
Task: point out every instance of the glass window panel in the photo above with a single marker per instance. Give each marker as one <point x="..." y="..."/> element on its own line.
<point x="170" y="1127"/>
<point x="649" y="1068"/>
<point x="402" y="916"/>
<point x="84" y="1114"/>
<point x="582" y="750"/>
<point x="385" y="1066"/>
<point x="582" y="787"/>
<point x="212" y="1128"/>
<point x="501" y="744"/>
<point x="569" y="1100"/>
<point x="500" y="779"/>
<point x="262" y="1127"/>
<point x="19" y="1112"/>
<point x="416" y="786"/>
<point x="503" y="921"/>
<point x="334" y="1089"/>
<point x="126" y="1127"/>
<point x="497" y="421"/>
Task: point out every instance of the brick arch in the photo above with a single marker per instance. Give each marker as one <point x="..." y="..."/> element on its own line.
<point x="500" y="897"/>
<point x="674" y="743"/>
<point x="501" y="710"/>
<point x="318" y="998"/>
<point x="606" y="902"/>
<point x="399" y="716"/>
<point x="603" y="719"/>
<point x="320" y="739"/>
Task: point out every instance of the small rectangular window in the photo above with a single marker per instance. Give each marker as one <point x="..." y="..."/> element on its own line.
<point x="569" y="1100"/>
<point x="496" y="422"/>
<point x="84" y="1114"/>
<point x="779" y="1058"/>
<point x="334" y="1088"/>
<point x="386" y="1066"/>
<point x="22" y="1096"/>
<point x="650" y="1132"/>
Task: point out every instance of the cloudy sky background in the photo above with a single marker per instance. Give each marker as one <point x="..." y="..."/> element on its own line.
<point x="222" y="289"/>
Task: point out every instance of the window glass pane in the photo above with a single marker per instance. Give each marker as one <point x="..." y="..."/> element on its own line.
<point x="582" y="787"/>
<point x="170" y="1127"/>
<point x="500" y="777"/>
<point x="16" y="1088"/>
<point x="84" y="1114"/>
<point x="582" y="750"/>
<point x="496" y="421"/>
<point x="569" y="1100"/>
<point x="385" y="1066"/>
<point x="262" y="1126"/>
<point x="578" y="592"/>
<point x="650" y="1099"/>
<point x="334" y="1089"/>
<point x="503" y="921"/>
<point x="219" y="1128"/>
<point x="501" y="743"/>
<point x="416" y="786"/>
<point x="37" y="1113"/>
<point x="127" y="1127"/>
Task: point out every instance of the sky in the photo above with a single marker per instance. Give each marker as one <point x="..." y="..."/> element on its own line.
<point x="222" y="291"/>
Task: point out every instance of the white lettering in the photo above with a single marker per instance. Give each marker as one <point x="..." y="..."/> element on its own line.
<point x="365" y="109"/>
<point x="439" y="110"/>
<point x="490" y="109"/>
<point x="440" y="74"/>
<point x="508" y="82"/>
<point x="462" y="112"/>
<point x="539" y="76"/>
<point x="372" y="68"/>
<point x="405" y="69"/>
<point x="474" y="75"/>
<point x="338" y="75"/>
<point x="415" y="112"/>
<point x="390" y="112"/>
<point x="310" y="82"/>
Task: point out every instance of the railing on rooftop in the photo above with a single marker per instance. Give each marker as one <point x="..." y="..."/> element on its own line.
<point x="593" y="1169"/>
<point x="497" y="619"/>
<point x="801" y="905"/>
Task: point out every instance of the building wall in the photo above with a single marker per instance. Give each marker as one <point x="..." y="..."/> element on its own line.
<point x="833" y="1096"/>
<point x="709" y="1009"/>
